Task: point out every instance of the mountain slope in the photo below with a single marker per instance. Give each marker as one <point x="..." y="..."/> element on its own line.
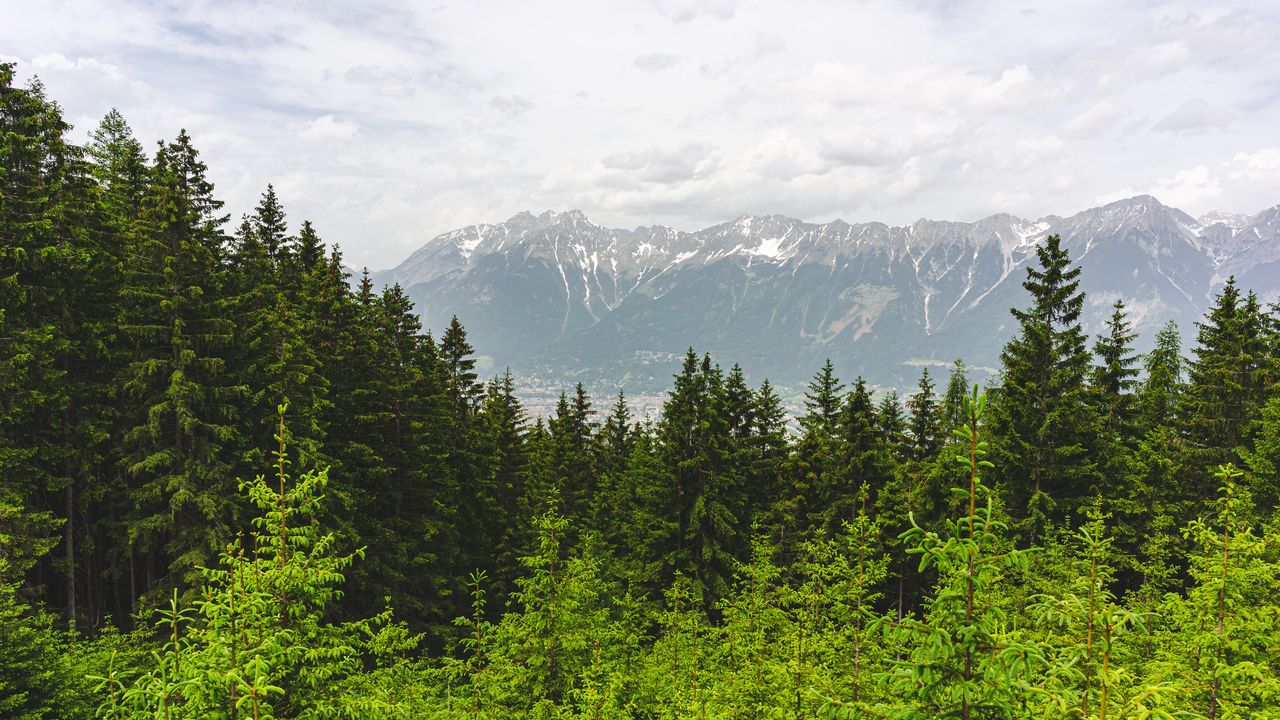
<point x="557" y="297"/>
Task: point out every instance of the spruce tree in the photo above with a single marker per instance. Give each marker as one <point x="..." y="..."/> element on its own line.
<point x="182" y="424"/>
<point x="694" y="438"/>
<point x="59" y="273"/>
<point x="765" y="475"/>
<point x="1227" y="384"/>
<point x="864" y="458"/>
<point x="1115" y="404"/>
<point x="502" y="442"/>
<point x="1044" y="432"/>
<point x="925" y="421"/>
<point x="1115" y="376"/>
<point x="953" y="399"/>
<point x="1161" y="389"/>
<point x="815" y="463"/>
<point x="893" y="425"/>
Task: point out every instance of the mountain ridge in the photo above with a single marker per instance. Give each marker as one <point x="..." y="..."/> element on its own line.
<point x="557" y="297"/>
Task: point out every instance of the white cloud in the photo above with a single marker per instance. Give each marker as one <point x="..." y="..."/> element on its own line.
<point x="326" y="127"/>
<point x="1097" y="119"/>
<point x="653" y="62"/>
<point x="389" y="121"/>
<point x="1188" y="187"/>
<point x="1194" y="116"/>
<point x="1000" y="89"/>
<point x="1257" y="165"/>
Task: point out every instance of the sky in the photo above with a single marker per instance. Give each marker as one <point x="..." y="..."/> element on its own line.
<point x="386" y="123"/>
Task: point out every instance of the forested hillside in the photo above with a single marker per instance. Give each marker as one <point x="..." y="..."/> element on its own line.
<point x="231" y="486"/>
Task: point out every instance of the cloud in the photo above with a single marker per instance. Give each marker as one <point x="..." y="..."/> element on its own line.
<point x="669" y="166"/>
<point x="389" y="121"/>
<point x="1000" y="89"/>
<point x="1097" y="119"/>
<point x="326" y="127"/>
<point x="686" y="10"/>
<point x="1264" y="163"/>
<point x="1193" y="116"/>
<point x="511" y="106"/>
<point x="653" y="62"/>
<point x="1189" y="187"/>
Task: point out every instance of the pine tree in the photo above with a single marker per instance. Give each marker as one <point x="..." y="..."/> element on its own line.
<point x="1043" y="429"/>
<point x="181" y="428"/>
<point x="1227" y="385"/>
<point x="502" y="421"/>
<point x="963" y="658"/>
<point x="1115" y="376"/>
<point x="257" y="643"/>
<point x="953" y="399"/>
<point x="925" y="421"/>
<point x="1161" y="390"/>
<point x="59" y="288"/>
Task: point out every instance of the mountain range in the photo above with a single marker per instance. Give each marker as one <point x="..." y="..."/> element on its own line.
<point x="558" y="299"/>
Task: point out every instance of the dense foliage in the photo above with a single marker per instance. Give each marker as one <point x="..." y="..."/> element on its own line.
<point x="234" y="484"/>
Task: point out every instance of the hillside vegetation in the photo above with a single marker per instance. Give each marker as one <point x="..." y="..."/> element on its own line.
<point x="232" y="486"/>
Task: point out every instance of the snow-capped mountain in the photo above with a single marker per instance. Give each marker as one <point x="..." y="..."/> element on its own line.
<point x="557" y="297"/>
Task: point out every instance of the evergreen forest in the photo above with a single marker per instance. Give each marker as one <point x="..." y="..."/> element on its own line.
<point x="236" y="484"/>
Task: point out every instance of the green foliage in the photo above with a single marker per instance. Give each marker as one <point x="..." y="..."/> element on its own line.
<point x="1219" y="640"/>
<point x="963" y="659"/>
<point x="256" y="641"/>
<point x="1044" y="433"/>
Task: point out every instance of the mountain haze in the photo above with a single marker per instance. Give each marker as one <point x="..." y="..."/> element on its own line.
<point x="556" y="297"/>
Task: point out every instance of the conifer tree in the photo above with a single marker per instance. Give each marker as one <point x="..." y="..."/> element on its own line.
<point x="616" y="438"/>
<point x="963" y="659"/>
<point x="257" y="644"/>
<point x="893" y="425"/>
<point x="271" y="228"/>
<point x="1220" y="650"/>
<point x="1042" y="428"/>
<point x="309" y="250"/>
<point x="120" y="167"/>
<point x="953" y="399"/>
<point x="1228" y="381"/>
<point x="925" y="421"/>
<point x="59" y="271"/>
<point x="278" y="363"/>
<point x="864" y="458"/>
<point x="502" y="421"/>
<point x="1162" y="387"/>
<point x="694" y="438"/>
<point x="181" y="429"/>
<point x="1115" y="376"/>
<point x="814" y="465"/>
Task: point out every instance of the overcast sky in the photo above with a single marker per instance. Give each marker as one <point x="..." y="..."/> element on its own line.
<point x="386" y="123"/>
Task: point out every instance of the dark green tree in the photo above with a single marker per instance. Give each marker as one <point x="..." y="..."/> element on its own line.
<point x="182" y="424"/>
<point x="1227" y="385"/>
<point x="1043" y="430"/>
<point x="925" y="421"/>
